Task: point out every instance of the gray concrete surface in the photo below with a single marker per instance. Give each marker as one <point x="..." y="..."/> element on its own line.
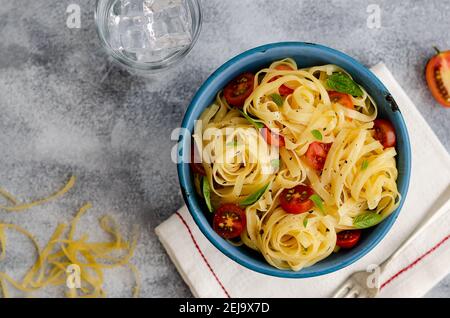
<point x="65" y="110"/>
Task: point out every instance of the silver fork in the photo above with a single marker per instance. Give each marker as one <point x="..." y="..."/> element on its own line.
<point x="358" y="284"/>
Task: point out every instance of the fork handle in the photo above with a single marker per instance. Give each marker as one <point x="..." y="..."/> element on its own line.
<point x="445" y="207"/>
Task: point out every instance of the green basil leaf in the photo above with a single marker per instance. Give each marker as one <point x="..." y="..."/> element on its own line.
<point x="364" y="165"/>
<point x="342" y="83"/>
<point x="317" y="134"/>
<point x="258" y="125"/>
<point x="305" y="222"/>
<point x="276" y="163"/>
<point x="207" y="193"/>
<point x="318" y="202"/>
<point x="251" y="199"/>
<point x="277" y="99"/>
<point x="366" y="220"/>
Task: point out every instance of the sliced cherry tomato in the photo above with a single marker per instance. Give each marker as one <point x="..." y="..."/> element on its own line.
<point x="272" y="138"/>
<point x="385" y="133"/>
<point x="239" y="89"/>
<point x="297" y="200"/>
<point x="316" y="155"/>
<point x="348" y="239"/>
<point x="438" y="77"/>
<point x="229" y="221"/>
<point x="283" y="67"/>
<point x="341" y="98"/>
<point x="283" y="90"/>
<point x="196" y="166"/>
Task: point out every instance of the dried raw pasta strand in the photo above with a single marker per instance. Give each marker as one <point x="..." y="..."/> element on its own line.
<point x="64" y="250"/>
<point x="92" y="254"/>
<point x="38" y="266"/>
<point x="8" y="196"/>
<point x="3" y="276"/>
<point x="2" y="243"/>
<point x="137" y="279"/>
<point x="16" y="207"/>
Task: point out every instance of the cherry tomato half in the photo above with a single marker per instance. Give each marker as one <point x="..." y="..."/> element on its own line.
<point x="438" y="77"/>
<point x="239" y="89"/>
<point x="297" y="200"/>
<point x="385" y="133"/>
<point x="341" y="98"/>
<point x="348" y="239"/>
<point x="229" y="221"/>
<point x="272" y="138"/>
<point x="316" y="155"/>
<point x="196" y="166"/>
<point x="283" y="90"/>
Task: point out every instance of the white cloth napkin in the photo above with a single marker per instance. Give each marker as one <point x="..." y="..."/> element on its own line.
<point x="209" y="273"/>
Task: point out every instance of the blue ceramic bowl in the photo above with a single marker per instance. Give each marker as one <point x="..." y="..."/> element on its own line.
<point x="306" y="55"/>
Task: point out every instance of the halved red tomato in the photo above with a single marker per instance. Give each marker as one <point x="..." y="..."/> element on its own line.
<point x="317" y="153"/>
<point x="341" y="98"/>
<point x="385" y="133"/>
<point x="239" y="89"/>
<point x="438" y="77"/>
<point x="297" y="200"/>
<point x="283" y="90"/>
<point x="272" y="138"/>
<point x="229" y="221"/>
<point x="196" y="166"/>
<point x="348" y="239"/>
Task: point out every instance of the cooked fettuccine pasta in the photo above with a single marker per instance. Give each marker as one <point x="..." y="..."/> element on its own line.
<point x="294" y="162"/>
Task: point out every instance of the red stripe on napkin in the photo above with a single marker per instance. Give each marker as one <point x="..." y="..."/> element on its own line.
<point x="392" y="278"/>
<point x="418" y="260"/>
<point x="202" y="255"/>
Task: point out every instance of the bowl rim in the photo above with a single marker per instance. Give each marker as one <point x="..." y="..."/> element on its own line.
<point x="221" y="244"/>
